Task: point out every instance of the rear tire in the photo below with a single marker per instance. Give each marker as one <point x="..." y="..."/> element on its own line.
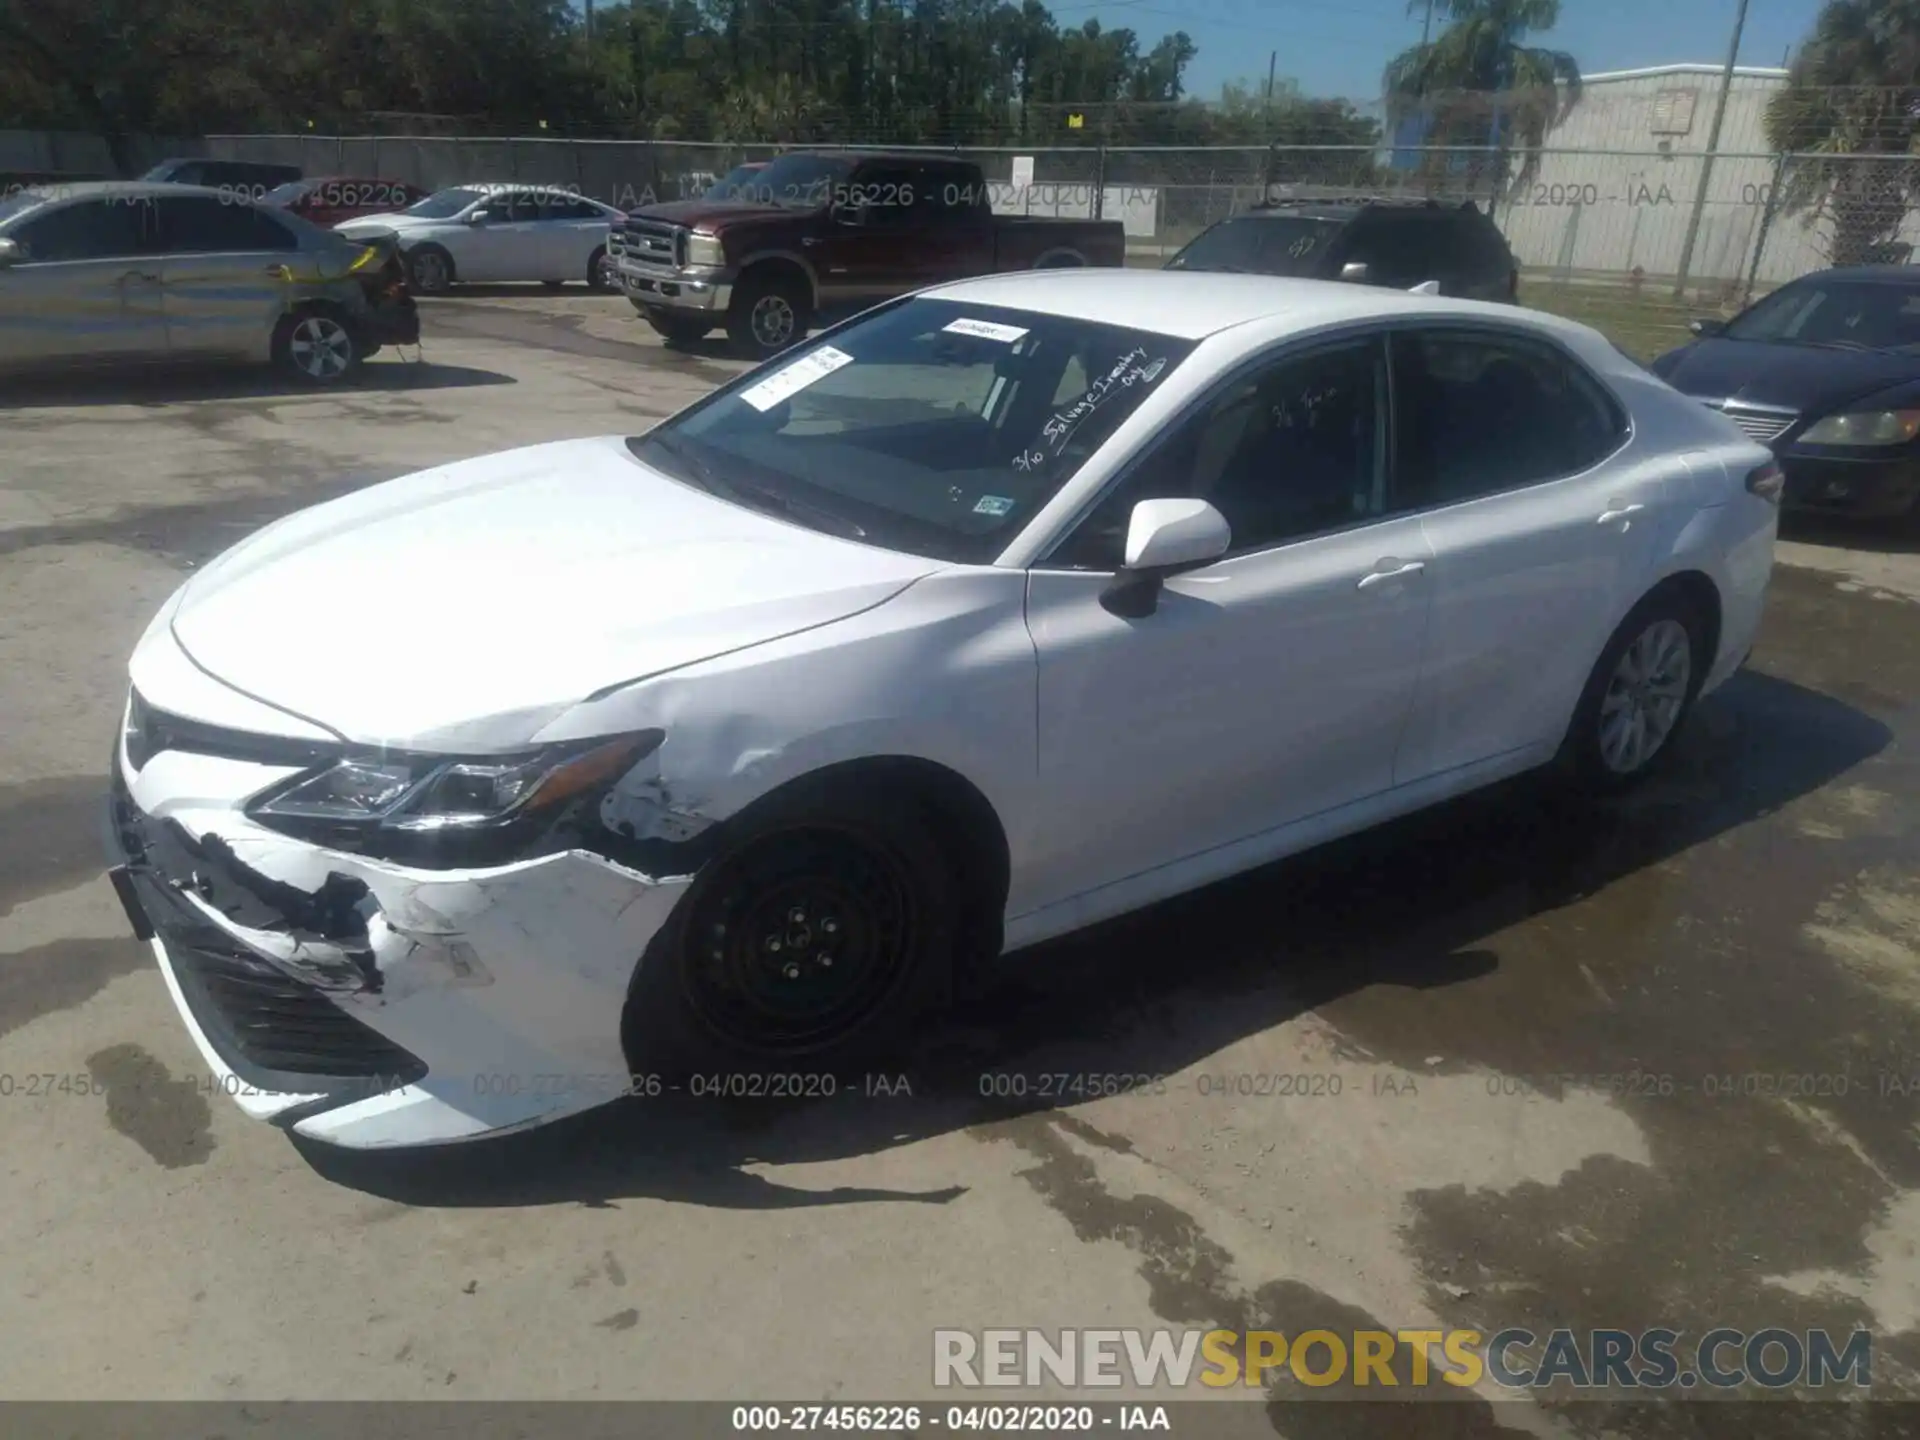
<point x="317" y="346"/>
<point x="769" y="313"/>
<point x="809" y="946"/>
<point x="1639" y="696"/>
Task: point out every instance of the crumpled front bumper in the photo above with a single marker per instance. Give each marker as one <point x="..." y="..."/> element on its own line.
<point x="368" y="1004"/>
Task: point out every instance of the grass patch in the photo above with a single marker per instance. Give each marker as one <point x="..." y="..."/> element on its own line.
<point x="1644" y="325"/>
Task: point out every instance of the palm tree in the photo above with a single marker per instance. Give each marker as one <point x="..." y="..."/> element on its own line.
<point x="1849" y="119"/>
<point x="1477" y="84"/>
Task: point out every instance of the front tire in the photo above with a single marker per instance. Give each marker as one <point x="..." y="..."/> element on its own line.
<point x="811" y="944"/>
<point x="316" y="347"/>
<point x="1640" y="694"/>
<point x="601" y="277"/>
<point x="769" y="313"/>
<point x="430" y="270"/>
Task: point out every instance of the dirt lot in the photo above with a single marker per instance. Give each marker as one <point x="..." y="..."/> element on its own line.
<point x="1755" y="915"/>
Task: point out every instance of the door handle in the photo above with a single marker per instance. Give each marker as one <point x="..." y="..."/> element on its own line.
<point x="140" y="275"/>
<point x="1616" y="511"/>
<point x="1378" y="576"/>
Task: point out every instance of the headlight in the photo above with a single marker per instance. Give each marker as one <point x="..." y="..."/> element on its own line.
<point x="417" y="794"/>
<point x="705" y="250"/>
<point x="1868" y="427"/>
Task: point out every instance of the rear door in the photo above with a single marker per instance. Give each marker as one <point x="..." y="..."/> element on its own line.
<point x="1542" y="527"/>
<point x="87" y="285"/>
<point x="225" y="267"/>
<point x="574" y="228"/>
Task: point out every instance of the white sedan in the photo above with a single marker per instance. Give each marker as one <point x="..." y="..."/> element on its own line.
<point x="498" y="232"/>
<point x="706" y="757"/>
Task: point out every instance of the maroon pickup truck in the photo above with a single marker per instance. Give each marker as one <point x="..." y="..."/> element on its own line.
<point x="817" y="233"/>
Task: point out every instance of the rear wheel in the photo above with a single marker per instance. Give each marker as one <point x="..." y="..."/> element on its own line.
<point x="810" y="944"/>
<point x="1640" y="693"/>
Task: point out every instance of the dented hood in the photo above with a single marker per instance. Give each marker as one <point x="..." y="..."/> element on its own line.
<point x="469" y="605"/>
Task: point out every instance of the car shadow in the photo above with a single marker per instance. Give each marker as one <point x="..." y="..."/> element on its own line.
<point x="175" y="384"/>
<point x="1411" y="906"/>
<point x="1895" y="535"/>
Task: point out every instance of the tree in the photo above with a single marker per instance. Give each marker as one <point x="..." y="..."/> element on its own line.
<point x="1850" y="119"/>
<point x="1478" y="85"/>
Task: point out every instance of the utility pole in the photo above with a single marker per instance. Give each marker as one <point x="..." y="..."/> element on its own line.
<point x="1426" y="28"/>
<point x="1706" y="161"/>
<point x="1273" y="60"/>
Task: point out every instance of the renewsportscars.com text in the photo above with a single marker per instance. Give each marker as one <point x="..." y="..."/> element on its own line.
<point x="1514" y="1358"/>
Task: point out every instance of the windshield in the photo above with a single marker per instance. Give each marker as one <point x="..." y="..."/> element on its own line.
<point x="1849" y="314"/>
<point x="1260" y="245"/>
<point x="19" y="202"/>
<point x="931" y="426"/>
<point x="801" y="181"/>
<point x="288" y="193"/>
<point x="443" y="204"/>
<point x="743" y="182"/>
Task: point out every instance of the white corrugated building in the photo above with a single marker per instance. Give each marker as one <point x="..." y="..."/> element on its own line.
<point x="1617" y="181"/>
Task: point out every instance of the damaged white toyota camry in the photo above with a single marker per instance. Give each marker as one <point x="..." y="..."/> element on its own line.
<point x="711" y="756"/>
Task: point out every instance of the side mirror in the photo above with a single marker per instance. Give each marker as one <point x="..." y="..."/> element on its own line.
<point x="9" y="253"/>
<point x="477" y="217"/>
<point x="1354" y="271"/>
<point x="1706" y="327"/>
<point x="854" y="215"/>
<point x="1164" y="536"/>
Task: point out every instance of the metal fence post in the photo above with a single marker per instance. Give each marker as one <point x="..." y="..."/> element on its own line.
<point x="1100" y="180"/>
<point x="1767" y="212"/>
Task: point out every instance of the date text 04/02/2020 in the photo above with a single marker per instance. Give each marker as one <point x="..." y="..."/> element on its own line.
<point x="911" y="1419"/>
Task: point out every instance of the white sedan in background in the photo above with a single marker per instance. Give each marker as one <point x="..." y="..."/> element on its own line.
<point x="498" y="232"/>
<point x="706" y="757"/>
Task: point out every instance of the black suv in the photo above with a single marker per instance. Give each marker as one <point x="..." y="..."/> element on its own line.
<point x="1397" y="243"/>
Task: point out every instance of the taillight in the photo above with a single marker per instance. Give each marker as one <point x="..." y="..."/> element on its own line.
<point x="1768" y="481"/>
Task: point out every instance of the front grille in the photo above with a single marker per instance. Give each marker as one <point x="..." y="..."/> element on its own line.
<point x="655" y="242"/>
<point x="255" y="1014"/>
<point x="1765" y="426"/>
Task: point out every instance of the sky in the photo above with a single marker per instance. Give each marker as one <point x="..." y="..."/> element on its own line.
<point x="1339" y="47"/>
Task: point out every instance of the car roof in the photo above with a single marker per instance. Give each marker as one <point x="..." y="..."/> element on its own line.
<point x="118" y="189"/>
<point x="1348" y="207"/>
<point x="1873" y="274"/>
<point x="1192" y="305"/>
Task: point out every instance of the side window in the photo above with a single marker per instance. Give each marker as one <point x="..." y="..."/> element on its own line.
<point x="1478" y="414"/>
<point x="895" y="196"/>
<point x="513" y="207"/>
<point x="1397" y="248"/>
<point x="86" y="230"/>
<point x="1284" y="453"/>
<point x="199" y="224"/>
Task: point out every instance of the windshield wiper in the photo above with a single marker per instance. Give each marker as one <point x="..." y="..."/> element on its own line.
<point x="812" y="516"/>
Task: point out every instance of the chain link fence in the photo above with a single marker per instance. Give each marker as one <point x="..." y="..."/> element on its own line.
<point x="1635" y="240"/>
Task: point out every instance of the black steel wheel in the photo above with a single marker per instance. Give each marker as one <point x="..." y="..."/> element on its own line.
<point x="811" y="942"/>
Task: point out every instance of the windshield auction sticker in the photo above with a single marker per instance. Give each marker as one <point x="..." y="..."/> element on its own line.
<point x="985" y="330"/>
<point x="794" y="378"/>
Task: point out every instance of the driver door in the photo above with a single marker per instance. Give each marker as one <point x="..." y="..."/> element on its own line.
<point x="506" y="245"/>
<point x="1267" y="687"/>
